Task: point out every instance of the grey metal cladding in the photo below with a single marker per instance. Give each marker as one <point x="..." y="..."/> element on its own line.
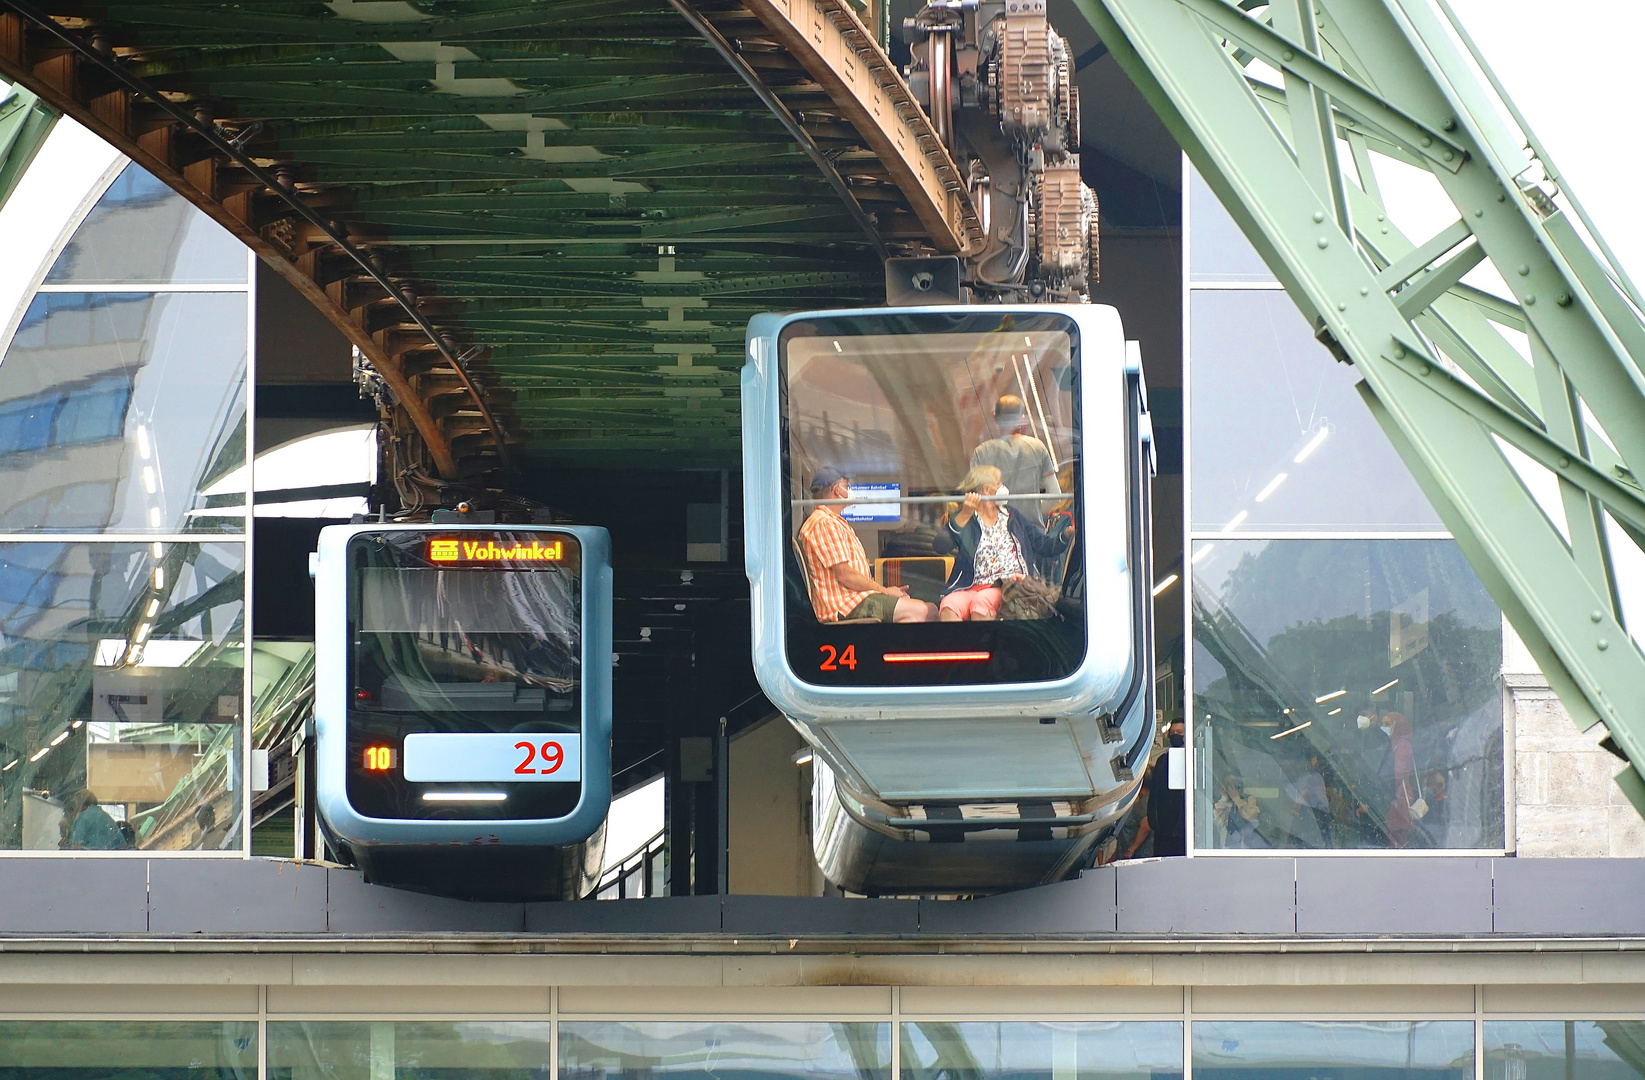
<point x="779" y="915"/>
<point x="1394" y="895"/>
<point x="1082" y="906"/>
<point x="1207" y="896"/>
<point x="68" y="896"/>
<point x="660" y="915"/>
<point x="216" y="896"/>
<point x="1580" y="896"/>
<point x="358" y="908"/>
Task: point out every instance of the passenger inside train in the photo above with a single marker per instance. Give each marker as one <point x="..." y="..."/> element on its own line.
<point x="837" y="566"/>
<point x="923" y="454"/>
<point x="998" y="552"/>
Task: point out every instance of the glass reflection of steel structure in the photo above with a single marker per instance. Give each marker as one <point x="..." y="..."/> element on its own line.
<point x="123" y="676"/>
<point x="954" y="751"/>
<point x="702" y="1050"/>
<point x="1317" y="565"/>
<point x="1332" y="721"/>
<point x="463" y="704"/>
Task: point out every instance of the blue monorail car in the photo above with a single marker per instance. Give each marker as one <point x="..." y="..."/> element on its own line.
<point x="947" y="522"/>
<point x="463" y="705"/>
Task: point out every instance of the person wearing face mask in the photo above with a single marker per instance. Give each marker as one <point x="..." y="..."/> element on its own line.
<point x="1374" y="783"/>
<point x="992" y="545"/>
<point x="1024" y="462"/>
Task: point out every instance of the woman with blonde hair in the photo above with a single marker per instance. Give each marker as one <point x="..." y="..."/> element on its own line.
<point x="992" y="545"/>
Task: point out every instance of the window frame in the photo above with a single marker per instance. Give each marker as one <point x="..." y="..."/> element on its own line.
<point x="1192" y="537"/>
<point x="242" y="537"/>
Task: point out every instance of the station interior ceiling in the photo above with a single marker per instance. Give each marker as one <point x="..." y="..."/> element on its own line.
<point x="589" y="195"/>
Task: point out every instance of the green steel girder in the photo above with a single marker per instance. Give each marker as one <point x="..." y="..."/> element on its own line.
<point x="231" y="69"/>
<point x="601" y="205"/>
<point x="1387" y="76"/>
<point x="654" y="90"/>
<point x="606" y="15"/>
<point x="24" y="125"/>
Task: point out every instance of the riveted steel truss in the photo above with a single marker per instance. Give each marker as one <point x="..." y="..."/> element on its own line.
<point x="582" y="200"/>
<point x="24" y="124"/>
<point x="1282" y="106"/>
<point x="828" y="40"/>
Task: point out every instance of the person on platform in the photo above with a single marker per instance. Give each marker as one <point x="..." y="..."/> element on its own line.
<point x="1166" y="820"/>
<point x="842" y="582"/>
<point x="993" y="545"/>
<point x="1406" y="806"/>
<point x="1024" y="462"/>
<point x="1374" y="783"/>
<point x="86" y="826"/>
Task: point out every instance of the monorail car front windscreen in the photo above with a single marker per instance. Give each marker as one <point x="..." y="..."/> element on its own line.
<point x="906" y="414"/>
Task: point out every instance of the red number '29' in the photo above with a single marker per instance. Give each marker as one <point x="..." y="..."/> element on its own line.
<point x="553" y="756"/>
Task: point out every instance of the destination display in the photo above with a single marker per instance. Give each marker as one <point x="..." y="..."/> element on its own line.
<point x="489" y="552"/>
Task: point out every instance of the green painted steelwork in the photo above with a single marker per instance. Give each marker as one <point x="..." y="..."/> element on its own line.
<point x="585" y="191"/>
<point x="1293" y="165"/>
<point x="24" y="125"/>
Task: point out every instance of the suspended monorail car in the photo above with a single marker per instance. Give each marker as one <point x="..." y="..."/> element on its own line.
<point x="463" y="705"/>
<point x="948" y="544"/>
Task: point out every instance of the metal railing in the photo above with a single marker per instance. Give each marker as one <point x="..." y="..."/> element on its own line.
<point x="927" y="500"/>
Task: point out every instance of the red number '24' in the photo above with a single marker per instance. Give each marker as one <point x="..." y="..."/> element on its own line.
<point x="838" y="658"/>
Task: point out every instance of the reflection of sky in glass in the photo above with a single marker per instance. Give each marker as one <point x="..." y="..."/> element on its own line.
<point x="1218" y="250"/>
<point x="142" y="232"/>
<point x="1263" y="1046"/>
<point x="68" y="167"/>
<point x="1014" y="1048"/>
<point x="1281" y="439"/>
<point x="621" y="1048"/>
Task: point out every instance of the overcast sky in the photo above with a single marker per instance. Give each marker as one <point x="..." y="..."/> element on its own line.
<point x="1574" y="70"/>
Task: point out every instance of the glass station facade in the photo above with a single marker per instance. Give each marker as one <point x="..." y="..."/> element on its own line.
<point x="123" y="441"/>
<point x="1345" y="661"/>
<point x="1361" y="710"/>
<point x="857" y="1048"/>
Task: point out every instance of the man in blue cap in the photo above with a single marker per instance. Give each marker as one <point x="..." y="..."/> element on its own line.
<point x="842" y="583"/>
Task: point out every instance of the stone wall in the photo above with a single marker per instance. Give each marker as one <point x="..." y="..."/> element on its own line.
<point x="1565" y="803"/>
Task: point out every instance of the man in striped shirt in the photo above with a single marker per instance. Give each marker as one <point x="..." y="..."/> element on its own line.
<point x="842" y="584"/>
